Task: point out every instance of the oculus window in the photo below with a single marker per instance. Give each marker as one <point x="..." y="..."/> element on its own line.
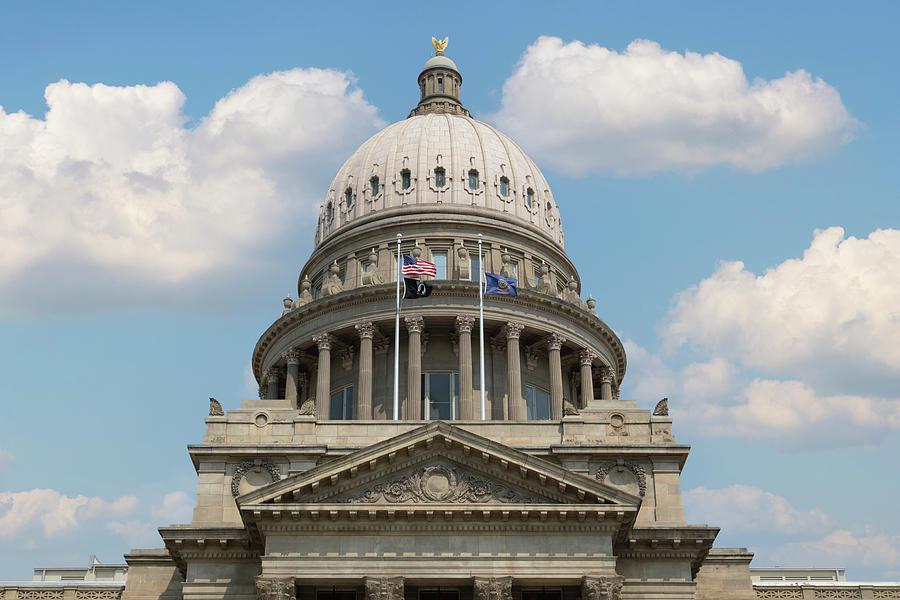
<point x="537" y="404"/>
<point x="341" y="408"/>
<point x="440" y="396"/>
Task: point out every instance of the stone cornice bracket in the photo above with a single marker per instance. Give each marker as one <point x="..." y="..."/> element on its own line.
<point x="414" y="324"/>
<point x="384" y="588"/>
<point x="291" y="357"/>
<point x="604" y="587"/>
<point x="275" y="588"/>
<point x="366" y="330"/>
<point x="586" y="357"/>
<point x="555" y="341"/>
<point x="607" y="375"/>
<point x="493" y="588"/>
<point x="513" y="330"/>
<point x="323" y="341"/>
<point x="464" y="324"/>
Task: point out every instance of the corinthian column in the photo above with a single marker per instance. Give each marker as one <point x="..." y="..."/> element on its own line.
<point x="272" y="379"/>
<point x="275" y="588"/>
<point x="554" y="345"/>
<point x="514" y="372"/>
<point x="606" y="378"/>
<point x="323" y="382"/>
<point x="364" y="395"/>
<point x="292" y="358"/>
<point x="466" y="404"/>
<point x="586" y="358"/>
<point x="414" y="326"/>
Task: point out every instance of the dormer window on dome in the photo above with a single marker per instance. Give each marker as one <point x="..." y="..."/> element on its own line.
<point x="439" y="177"/>
<point x="473" y="179"/>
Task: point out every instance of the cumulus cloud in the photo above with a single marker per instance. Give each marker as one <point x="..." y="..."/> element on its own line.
<point x="585" y="108"/>
<point x="870" y="548"/>
<point x="839" y="305"/>
<point x="744" y="508"/>
<point x="176" y="507"/>
<point x="55" y="513"/>
<point x="111" y="199"/>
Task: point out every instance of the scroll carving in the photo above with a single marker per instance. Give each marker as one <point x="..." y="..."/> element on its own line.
<point x="384" y="588"/>
<point x="605" y="587"/>
<point x="493" y="588"/>
<point x="275" y="588"/>
<point x="444" y="484"/>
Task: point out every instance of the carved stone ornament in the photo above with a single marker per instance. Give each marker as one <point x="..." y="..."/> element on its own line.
<point x="323" y="341"/>
<point x="569" y="409"/>
<point x="414" y="324"/>
<point x="636" y="469"/>
<point x="308" y="408"/>
<point x="365" y="330"/>
<point x="513" y="330"/>
<point x="464" y="323"/>
<point x="291" y="357"/>
<point x="662" y="408"/>
<point x="605" y="587"/>
<point x="443" y="484"/>
<point x="384" y="588"/>
<point x="493" y="588"/>
<point x="215" y="409"/>
<point x="246" y="466"/>
<point x="275" y="588"/>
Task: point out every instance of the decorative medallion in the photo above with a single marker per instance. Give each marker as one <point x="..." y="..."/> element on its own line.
<point x="636" y="470"/>
<point x="245" y="467"/>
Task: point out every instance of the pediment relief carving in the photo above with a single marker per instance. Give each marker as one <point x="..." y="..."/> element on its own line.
<point x="441" y="483"/>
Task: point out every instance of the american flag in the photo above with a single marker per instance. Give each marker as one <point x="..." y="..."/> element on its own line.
<point x="414" y="266"/>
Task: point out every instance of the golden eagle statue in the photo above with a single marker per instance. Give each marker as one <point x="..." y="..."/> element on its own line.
<point x="439" y="46"/>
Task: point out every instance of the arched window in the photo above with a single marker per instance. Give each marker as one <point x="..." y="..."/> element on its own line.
<point x="529" y="198"/>
<point x="440" y="84"/>
<point x="504" y="187"/>
<point x="348" y="196"/>
<point x="439" y="179"/>
<point x="329" y="212"/>
<point x="405" y="179"/>
<point x="375" y="186"/>
<point x="473" y="179"/>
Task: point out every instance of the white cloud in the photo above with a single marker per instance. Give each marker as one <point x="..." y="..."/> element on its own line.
<point x="6" y="459"/>
<point x="176" y="507"/>
<point x="112" y="199"/>
<point x="54" y="513"/>
<point x="584" y="108"/>
<point x="838" y="305"/>
<point x="744" y="508"/>
<point x="842" y="547"/>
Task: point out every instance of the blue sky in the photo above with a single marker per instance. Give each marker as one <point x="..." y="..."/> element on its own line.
<point x="149" y="233"/>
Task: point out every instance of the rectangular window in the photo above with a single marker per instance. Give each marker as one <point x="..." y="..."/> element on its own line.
<point x="405" y="180"/>
<point x="341" y="404"/>
<point x="440" y="264"/>
<point x="537" y="404"/>
<point x="440" y="84"/>
<point x="440" y="396"/>
<point x="514" y="267"/>
<point x="474" y="268"/>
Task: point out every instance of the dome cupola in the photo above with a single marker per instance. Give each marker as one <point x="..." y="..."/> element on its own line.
<point x="439" y="84"/>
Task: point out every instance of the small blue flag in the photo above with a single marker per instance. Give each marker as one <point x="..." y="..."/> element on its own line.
<point x="495" y="284"/>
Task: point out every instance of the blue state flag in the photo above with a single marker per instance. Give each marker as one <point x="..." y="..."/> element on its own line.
<point x="495" y="284"/>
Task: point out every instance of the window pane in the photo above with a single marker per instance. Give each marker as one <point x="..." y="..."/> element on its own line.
<point x="529" y="403"/>
<point x="439" y="178"/>
<point x="348" y="402"/>
<point x="440" y="264"/>
<point x="336" y="412"/>
<point x="529" y="197"/>
<point x="374" y="186"/>
<point x="542" y="405"/>
<point x="406" y="180"/>
<point x="440" y="84"/>
<point x="504" y="186"/>
<point x="473" y="179"/>
<point x="474" y="268"/>
<point x="439" y="396"/>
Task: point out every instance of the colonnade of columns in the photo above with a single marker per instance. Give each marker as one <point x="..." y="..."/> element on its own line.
<point x="295" y="382"/>
<point x="600" y="587"/>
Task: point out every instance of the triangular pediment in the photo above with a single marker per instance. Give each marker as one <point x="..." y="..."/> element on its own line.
<point x="436" y="464"/>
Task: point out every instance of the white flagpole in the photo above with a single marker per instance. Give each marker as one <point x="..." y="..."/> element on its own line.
<point x="397" y="336"/>
<point x="481" y="322"/>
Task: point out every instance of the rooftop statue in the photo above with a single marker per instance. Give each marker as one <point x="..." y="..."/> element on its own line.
<point x="440" y="46"/>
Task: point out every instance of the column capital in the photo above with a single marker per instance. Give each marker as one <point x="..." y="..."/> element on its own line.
<point x="555" y="341"/>
<point x="384" y="588"/>
<point x="365" y="330"/>
<point x="607" y="375"/>
<point x="291" y="357"/>
<point x="275" y="588"/>
<point x="414" y="324"/>
<point x="272" y="373"/>
<point x="604" y="587"/>
<point x="493" y="588"/>
<point x="586" y="357"/>
<point x="464" y="324"/>
<point x="513" y="330"/>
<point x="323" y="340"/>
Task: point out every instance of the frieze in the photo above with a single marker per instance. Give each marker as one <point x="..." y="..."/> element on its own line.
<point x="441" y="484"/>
<point x="246" y="466"/>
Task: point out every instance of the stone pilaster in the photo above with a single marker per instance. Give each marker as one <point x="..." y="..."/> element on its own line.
<point x="606" y="379"/>
<point x="323" y="381"/>
<point x="384" y="588"/>
<point x="464" y="326"/>
<point x="364" y="395"/>
<point x="291" y="385"/>
<point x="275" y="588"/>
<point x="273" y="378"/>
<point x="414" y="325"/>
<point x="554" y="345"/>
<point x="586" y="359"/>
<point x="493" y="588"/>
<point x="604" y="587"/>
<point x="514" y="372"/>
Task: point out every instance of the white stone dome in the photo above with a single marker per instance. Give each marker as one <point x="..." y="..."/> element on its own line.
<point x="400" y="166"/>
